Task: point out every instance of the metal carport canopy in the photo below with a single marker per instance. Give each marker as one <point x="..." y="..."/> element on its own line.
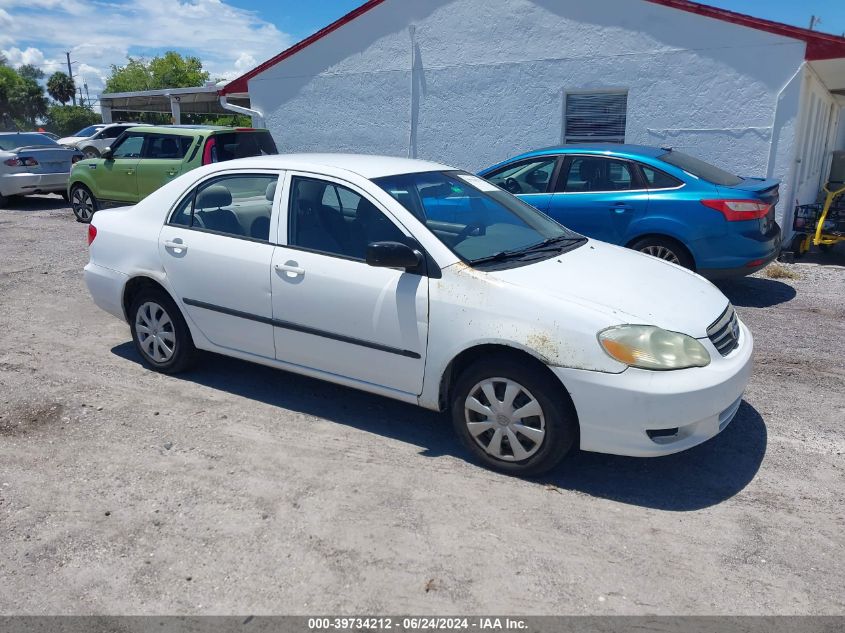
<point x="197" y="100"/>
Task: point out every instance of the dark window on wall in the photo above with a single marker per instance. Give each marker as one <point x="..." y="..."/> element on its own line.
<point x="595" y="117"/>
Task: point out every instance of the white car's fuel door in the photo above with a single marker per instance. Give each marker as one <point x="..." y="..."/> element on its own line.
<point x="217" y="254"/>
<point x="331" y="311"/>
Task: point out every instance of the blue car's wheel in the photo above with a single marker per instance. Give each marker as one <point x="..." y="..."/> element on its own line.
<point x="665" y="248"/>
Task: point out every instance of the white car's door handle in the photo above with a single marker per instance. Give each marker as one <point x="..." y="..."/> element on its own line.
<point x="290" y="268"/>
<point x="176" y="245"/>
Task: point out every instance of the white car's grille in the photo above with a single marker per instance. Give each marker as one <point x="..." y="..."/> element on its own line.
<point x="724" y="332"/>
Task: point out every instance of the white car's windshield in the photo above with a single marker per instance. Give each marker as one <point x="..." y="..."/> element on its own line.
<point x="91" y="130"/>
<point x="478" y="221"/>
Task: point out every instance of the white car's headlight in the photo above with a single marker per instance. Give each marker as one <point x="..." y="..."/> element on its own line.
<point x="649" y="347"/>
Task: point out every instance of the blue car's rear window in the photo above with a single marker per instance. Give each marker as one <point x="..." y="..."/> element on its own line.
<point x="700" y="169"/>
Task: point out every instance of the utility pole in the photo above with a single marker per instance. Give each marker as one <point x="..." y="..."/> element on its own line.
<point x="814" y="20"/>
<point x="70" y="73"/>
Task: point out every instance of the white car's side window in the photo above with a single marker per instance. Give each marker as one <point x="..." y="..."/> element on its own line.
<point x="238" y="205"/>
<point x="329" y="218"/>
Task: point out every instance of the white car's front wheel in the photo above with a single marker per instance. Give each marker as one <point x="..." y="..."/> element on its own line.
<point x="512" y="415"/>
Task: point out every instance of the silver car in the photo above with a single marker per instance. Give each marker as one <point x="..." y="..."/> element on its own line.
<point x="80" y="135"/>
<point x="33" y="163"/>
<point x="93" y="146"/>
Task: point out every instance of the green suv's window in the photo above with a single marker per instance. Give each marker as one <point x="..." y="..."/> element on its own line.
<point x="238" y="144"/>
<point x="167" y="146"/>
<point x="129" y="146"/>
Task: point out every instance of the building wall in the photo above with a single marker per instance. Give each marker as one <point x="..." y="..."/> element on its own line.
<point x="489" y="78"/>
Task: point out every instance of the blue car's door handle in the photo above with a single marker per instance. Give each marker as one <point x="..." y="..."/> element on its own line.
<point x="621" y="207"/>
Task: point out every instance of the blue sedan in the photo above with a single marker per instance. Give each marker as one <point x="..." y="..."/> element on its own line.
<point x="655" y="200"/>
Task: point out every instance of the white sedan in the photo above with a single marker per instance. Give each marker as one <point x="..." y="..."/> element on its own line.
<point x="423" y="283"/>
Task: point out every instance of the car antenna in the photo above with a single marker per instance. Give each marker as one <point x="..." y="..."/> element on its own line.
<point x="666" y="148"/>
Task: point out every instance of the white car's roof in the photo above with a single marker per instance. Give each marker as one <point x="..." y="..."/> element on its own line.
<point x="362" y="164"/>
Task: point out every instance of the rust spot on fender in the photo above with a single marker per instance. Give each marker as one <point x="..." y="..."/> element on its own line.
<point x="543" y="344"/>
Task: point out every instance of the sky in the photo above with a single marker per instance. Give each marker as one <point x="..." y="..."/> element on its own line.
<point x="229" y="36"/>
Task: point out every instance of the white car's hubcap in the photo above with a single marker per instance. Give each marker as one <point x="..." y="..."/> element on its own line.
<point x="505" y="419"/>
<point x="155" y="332"/>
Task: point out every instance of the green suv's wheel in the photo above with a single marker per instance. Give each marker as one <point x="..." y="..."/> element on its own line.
<point x="83" y="203"/>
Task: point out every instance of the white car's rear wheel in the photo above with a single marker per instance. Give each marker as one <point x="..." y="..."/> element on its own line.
<point x="83" y="203"/>
<point x="512" y="415"/>
<point x="160" y="333"/>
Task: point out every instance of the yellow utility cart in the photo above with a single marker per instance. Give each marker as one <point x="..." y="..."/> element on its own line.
<point x="820" y="224"/>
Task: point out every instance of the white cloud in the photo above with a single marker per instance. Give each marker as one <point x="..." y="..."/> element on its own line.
<point x="5" y="24"/>
<point x="16" y="57"/>
<point x="228" y="40"/>
<point x="244" y="62"/>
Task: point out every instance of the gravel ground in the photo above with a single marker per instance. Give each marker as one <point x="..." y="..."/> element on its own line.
<point x="240" y="489"/>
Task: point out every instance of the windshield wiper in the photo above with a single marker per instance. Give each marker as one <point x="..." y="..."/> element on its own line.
<point x="552" y="241"/>
<point x="547" y="244"/>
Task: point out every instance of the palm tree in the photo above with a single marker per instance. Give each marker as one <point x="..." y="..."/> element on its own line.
<point x="61" y="87"/>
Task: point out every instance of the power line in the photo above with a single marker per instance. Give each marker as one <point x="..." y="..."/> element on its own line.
<point x="70" y="74"/>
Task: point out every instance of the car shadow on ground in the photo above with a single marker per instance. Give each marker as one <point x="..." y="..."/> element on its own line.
<point x="756" y="292"/>
<point x="46" y="202"/>
<point x="691" y="480"/>
<point x="700" y="477"/>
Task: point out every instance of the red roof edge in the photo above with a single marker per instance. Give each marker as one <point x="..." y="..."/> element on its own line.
<point x="819" y="45"/>
<point x="241" y="83"/>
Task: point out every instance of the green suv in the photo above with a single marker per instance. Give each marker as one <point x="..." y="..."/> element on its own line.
<point x="144" y="158"/>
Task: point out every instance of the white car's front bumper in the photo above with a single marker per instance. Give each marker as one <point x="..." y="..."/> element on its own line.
<point x="25" y="183"/>
<point x="616" y="411"/>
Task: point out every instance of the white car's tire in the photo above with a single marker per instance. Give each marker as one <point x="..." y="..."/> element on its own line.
<point x="159" y="332"/>
<point x="513" y="416"/>
<point x="91" y="152"/>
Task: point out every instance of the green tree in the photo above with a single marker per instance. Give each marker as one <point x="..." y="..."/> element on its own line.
<point x="61" y="87"/>
<point x="22" y="100"/>
<point x="64" y="120"/>
<point x="28" y="71"/>
<point x="233" y="120"/>
<point x="170" y="70"/>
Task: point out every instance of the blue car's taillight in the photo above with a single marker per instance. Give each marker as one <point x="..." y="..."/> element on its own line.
<point x="738" y="210"/>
